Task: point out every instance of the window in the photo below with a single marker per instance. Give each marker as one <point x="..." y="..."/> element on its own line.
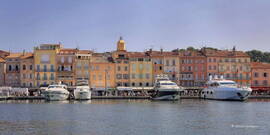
<point x="173" y="62"/>
<point x="45" y="68"/>
<point x="119" y="76"/>
<point x="256" y="74"/>
<point x="210" y="67"/>
<point x="118" y="68"/>
<point x="126" y="68"/>
<point x="52" y="68"/>
<point x="125" y="76"/>
<point x="52" y="76"/>
<point x="38" y="76"/>
<point x="62" y="59"/>
<point x="31" y="67"/>
<point x="167" y="63"/>
<point x="265" y="83"/>
<point x="70" y="59"/>
<point x="265" y="75"/>
<point x="160" y="67"/>
<point x="17" y="68"/>
<point x="24" y="67"/>
<point x="45" y="77"/>
<point x="147" y="76"/>
<point x="133" y="76"/>
<point x="9" y="68"/>
<point x="256" y="82"/>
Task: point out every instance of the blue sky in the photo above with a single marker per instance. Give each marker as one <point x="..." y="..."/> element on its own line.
<point x="97" y="24"/>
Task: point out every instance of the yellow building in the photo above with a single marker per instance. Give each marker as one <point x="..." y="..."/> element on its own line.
<point x="102" y="71"/>
<point x="45" y="63"/>
<point x="27" y="70"/>
<point x="140" y="70"/>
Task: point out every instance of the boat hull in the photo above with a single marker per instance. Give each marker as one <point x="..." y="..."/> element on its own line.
<point x="56" y="96"/>
<point x="166" y="95"/>
<point x="82" y="95"/>
<point x="231" y="94"/>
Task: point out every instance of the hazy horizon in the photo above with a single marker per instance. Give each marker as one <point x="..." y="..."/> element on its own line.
<point x="97" y="25"/>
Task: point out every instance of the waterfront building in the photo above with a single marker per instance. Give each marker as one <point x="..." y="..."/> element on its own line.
<point x="260" y="76"/>
<point x="121" y="58"/>
<point x="140" y="69"/>
<point x="212" y="60"/>
<point x="65" y="66"/>
<point x="45" y="63"/>
<point x="27" y="70"/>
<point x="82" y="65"/>
<point x="235" y="65"/>
<point x="157" y="63"/>
<point x="2" y="71"/>
<point x="171" y="65"/>
<point x="193" y="68"/>
<point x="102" y="71"/>
<point x="12" y="77"/>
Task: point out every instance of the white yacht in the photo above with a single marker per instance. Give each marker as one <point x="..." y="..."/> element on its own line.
<point x="82" y="91"/>
<point x="56" y="92"/>
<point x="221" y="89"/>
<point x="165" y="89"/>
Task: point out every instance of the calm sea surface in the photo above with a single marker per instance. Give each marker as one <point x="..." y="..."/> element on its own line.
<point x="135" y="117"/>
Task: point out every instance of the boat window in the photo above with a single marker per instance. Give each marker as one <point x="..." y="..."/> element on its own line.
<point x="207" y="92"/>
<point x="168" y="84"/>
<point x="227" y="83"/>
<point x="211" y="92"/>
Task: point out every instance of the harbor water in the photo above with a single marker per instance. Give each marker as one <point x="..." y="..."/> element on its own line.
<point x="134" y="117"/>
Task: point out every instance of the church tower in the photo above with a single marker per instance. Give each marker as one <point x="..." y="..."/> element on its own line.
<point x="121" y="45"/>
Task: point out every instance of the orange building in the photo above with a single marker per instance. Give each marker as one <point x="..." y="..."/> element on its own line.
<point x="13" y="70"/>
<point x="157" y="63"/>
<point x="102" y="71"/>
<point x="27" y="70"/>
<point x="193" y="68"/>
<point x="260" y="76"/>
<point x="2" y="71"/>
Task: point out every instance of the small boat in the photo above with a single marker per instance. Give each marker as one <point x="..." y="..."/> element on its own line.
<point x="165" y="89"/>
<point x="221" y="89"/>
<point x="82" y="91"/>
<point x="56" y="92"/>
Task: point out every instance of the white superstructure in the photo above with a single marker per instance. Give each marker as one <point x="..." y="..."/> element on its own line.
<point x="165" y="89"/>
<point x="221" y="89"/>
<point x="56" y="92"/>
<point x="82" y="91"/>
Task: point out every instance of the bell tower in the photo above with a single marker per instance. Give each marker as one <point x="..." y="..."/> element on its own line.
<point x="121" y="45"/>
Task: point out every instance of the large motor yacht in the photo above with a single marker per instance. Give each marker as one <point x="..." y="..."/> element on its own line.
<point x="82" y="91"/>
<point x="56" y="92"/>
<point x="221" y="89"/>
<point x="165" y="89"/>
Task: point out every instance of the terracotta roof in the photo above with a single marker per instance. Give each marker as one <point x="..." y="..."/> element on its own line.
<point x="85" y="52"/>
<point x="137" y="54"/>
<point x="163" y="53"/>
<point x="260" y="65"/>
<point x="225" y="53"/>
<point x="68" y="51"/>
<point x="2" y="60"/>
<point x="27" y="55"/>
<point x="14" y="55"/>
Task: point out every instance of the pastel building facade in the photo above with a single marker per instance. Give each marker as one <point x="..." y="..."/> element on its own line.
<point x="260" y="75"/>
<point x="65" y="66"/>
<point x="45" y="61"/>
<point x="12" y="77"/>
<point x="27" y="72"/>
<point x="140" y="70"/>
